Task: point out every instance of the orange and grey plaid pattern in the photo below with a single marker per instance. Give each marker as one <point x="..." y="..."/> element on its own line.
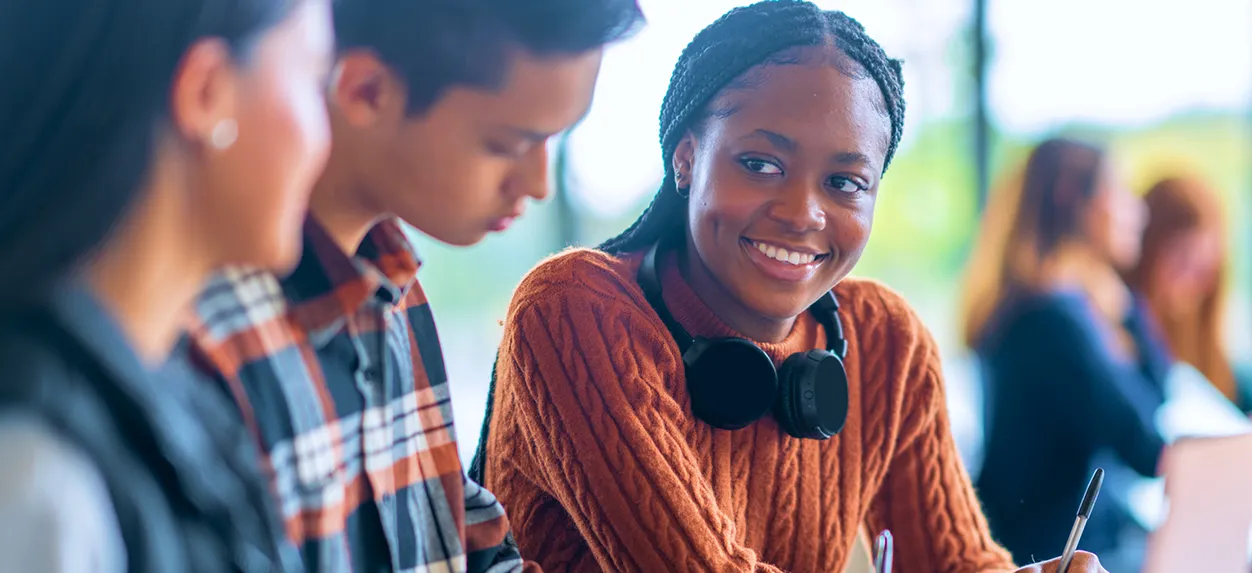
<point x="338" y="370"/>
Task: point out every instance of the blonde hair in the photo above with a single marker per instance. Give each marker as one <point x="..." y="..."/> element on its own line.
<point x="986" y="273"/>
<point x="1035" y="210"/>
<point x="1177" y="206"/>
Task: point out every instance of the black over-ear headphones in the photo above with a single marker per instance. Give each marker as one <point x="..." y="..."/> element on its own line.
<point x="732" y="382"/>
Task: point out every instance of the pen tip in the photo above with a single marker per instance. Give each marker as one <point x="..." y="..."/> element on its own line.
<point x="1093" y="491"/>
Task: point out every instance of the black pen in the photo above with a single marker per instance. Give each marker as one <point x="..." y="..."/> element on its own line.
<point x="882" y="552"/>
<point x="1084" y="513"/>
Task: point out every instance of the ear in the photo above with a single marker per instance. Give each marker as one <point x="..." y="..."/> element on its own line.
<point x="364" y="90"/>
<point x="684" y="156"/>
<point x="205" y="90"/>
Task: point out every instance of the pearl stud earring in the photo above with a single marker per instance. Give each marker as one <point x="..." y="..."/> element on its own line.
<point x="224" y="134"/>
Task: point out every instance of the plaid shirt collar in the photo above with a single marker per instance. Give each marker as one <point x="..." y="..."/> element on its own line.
<point x="384" y="268"/>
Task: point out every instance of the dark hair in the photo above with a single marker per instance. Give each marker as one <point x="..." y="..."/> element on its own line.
<point x="433" y="45"/>
<point x="85" y="97"/>
<point x="1060" y="180"/>
<point x="718" y="58"/>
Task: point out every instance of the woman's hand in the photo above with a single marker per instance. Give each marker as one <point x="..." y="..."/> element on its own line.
<point x="1083" y="563"/>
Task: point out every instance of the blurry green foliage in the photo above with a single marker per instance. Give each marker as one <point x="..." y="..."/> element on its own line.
<point x="925" y="220"/>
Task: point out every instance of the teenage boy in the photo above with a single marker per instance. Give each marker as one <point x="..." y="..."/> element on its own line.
<point x="440" y="110"/>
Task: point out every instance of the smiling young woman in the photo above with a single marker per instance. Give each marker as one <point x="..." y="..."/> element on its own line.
<point x="631" y="428"/>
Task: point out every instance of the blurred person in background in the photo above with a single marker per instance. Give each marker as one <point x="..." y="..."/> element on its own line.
<point x="1181" y="279"/>
<point x="145" y="144"/>
<point x="1071" y="371"/>
<point x="440" y="112"/>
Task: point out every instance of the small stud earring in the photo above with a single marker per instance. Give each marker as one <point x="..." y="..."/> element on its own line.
<point x="680" y="180"/>
<point x="680" y="173"/>
<point x="224" y="134"/>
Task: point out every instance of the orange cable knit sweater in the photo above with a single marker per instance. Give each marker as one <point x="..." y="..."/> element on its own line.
<point x="600" y="465"/>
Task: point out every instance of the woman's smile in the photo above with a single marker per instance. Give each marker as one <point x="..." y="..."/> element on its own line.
<point x="782" y="262"/>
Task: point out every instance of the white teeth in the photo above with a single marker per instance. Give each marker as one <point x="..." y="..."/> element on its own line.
<point x="784" y="255"/>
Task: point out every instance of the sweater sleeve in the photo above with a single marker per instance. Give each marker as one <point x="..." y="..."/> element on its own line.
<point x="926" y="499"/>
<point x="489" y="543"/>
<point x="596" y="408"/>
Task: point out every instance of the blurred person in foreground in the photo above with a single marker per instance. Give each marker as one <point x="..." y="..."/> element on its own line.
<point x="1070" y="370"/>
<point x="440" y="115"/>
<point x="1181" y="280"/>
<point x="146" y="143"/>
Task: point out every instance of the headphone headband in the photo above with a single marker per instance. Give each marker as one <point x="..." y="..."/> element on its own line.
<point x="650" y="282"/>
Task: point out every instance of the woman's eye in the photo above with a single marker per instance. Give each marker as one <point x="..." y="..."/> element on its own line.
<point x="761" y="166"/>
<point x="845" y="185"/>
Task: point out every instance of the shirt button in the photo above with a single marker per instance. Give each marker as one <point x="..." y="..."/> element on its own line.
<point x="369" y="375"/>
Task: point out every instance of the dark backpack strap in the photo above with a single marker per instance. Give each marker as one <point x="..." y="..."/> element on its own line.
<point x="478" y="465"/>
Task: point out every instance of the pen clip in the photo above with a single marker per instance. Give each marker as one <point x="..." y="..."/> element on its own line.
<point x="882" y="552"/>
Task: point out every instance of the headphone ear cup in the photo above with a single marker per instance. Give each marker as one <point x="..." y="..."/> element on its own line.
<point x="813" y="395"/>
<point x="787" y="406"/>
<point x="731" y="381"/>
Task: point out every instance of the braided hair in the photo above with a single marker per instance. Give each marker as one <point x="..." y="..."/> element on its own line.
<point x="720" y="57"/>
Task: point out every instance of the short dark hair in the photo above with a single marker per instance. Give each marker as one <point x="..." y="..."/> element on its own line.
<point x="85" y="95"/>
<point x="718" y="58"/>
<point x="433" y="45"/>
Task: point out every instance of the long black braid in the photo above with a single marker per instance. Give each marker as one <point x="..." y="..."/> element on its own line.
<point x="737" y="42"/>
<point x="719" y="58"/>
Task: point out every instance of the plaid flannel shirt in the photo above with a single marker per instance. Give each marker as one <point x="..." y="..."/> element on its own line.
<point x="339" y="373"/>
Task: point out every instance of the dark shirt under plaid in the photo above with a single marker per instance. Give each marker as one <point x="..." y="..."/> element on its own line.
<point x="338" y="371"/>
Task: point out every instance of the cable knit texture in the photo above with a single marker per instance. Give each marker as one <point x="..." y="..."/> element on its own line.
<point x="601" y="467"/>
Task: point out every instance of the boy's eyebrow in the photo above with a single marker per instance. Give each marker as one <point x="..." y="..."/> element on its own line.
<point x="528" y="134"/>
